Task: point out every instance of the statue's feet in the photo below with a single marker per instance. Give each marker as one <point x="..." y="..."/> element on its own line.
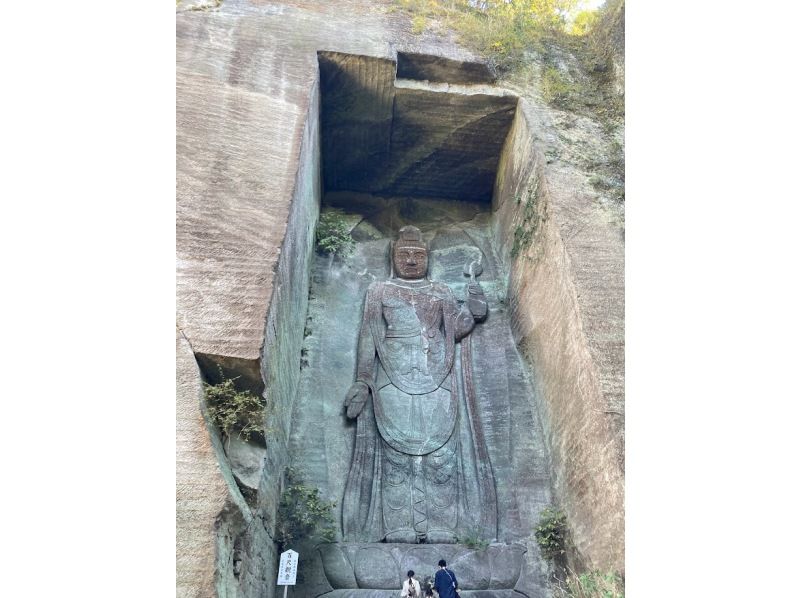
<point x="441" y="536"/>
<point x="403" y="536"/>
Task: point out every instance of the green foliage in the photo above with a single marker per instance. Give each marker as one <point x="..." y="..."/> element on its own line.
<point x="513" y="34"/>
<point x="504" y="30"/>
<point x="593" y="584"/>
<point x="584" y="22"/>
<point x="233" y="411"/>
<point x="333" y="234"/>
<point x="551" y="534"/>
<point x="522" y="239"/>
<point x="552" y="538"/>
<point x="473" y="540"/>
<point x="302" y="514"/>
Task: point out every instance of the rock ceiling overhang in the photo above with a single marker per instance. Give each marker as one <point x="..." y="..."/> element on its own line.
<point x="436" y="135"/>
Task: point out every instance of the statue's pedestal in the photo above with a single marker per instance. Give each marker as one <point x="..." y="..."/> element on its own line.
<point x="378" y="570"/>
<point x="395" y="594"/>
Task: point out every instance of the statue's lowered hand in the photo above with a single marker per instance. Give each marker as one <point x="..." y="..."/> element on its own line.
<point x="355" y="399"/>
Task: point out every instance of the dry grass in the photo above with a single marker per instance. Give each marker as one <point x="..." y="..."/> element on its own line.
<point x="511" y="34"/>
<point x="501" y="31"/>
<point x="593" y="584"/>
<point x="418" y="24"/>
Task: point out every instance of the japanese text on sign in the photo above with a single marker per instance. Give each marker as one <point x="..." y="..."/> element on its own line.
<point x="287" y="570"/>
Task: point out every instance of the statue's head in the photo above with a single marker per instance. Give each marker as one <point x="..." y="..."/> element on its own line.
<point x="410" y="254"/>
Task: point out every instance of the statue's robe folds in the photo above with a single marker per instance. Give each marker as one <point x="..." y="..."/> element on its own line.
<point x="420" y="469"/>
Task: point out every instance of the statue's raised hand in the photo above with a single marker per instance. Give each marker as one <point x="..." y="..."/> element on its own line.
<point x="476" y="301"/>
<point x="355" y="399"/>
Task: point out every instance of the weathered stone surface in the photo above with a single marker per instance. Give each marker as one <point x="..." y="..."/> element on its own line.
<point x="609" y="40"/>
<point x="201" y="489"/>
<point x="244" y="75"/>
<point x="566" y="291"/>
<point x="219" y="540"/>
<point x="474" y="569"/>
<point x="505" y="565"/>
<point x="339" y="571"/>
<point x="247" y="461"/>
<point x="375" y="567"/>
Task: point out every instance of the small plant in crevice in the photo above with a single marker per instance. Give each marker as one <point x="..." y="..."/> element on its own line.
<point x="522" y="238"/>
<point x="551" y="534"/>
<point x="233" y="411"/>
<point x="333" y="234"/>
<point x="473" y="539"/>
<point x="302" y="513"/>
<point x="525" y="231"/>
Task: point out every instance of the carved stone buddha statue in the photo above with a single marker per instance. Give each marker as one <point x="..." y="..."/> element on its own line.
<point x="420" y="470"/>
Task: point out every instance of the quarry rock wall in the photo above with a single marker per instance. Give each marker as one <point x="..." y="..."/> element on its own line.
<point x="248" y="194"/>
<point x="565" y="293"/>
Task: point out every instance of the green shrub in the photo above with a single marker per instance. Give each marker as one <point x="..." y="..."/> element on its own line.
<point x="584" y="22"/>
<point x="551" y="534"/>
<point x="333" y="234"/>
<point x="233" y="411"/>
<point x="302" y="514"/>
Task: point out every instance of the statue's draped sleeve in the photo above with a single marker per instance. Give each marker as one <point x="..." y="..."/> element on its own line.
<point x="361" y="505"/>
<point x="484" y="509"/>
<point x="365" y="357"/>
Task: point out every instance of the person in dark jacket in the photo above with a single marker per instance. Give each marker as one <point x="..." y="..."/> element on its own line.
<point x="445" y="582"/>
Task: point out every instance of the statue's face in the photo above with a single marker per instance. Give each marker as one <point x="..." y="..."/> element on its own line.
<point x="410" y="262"/>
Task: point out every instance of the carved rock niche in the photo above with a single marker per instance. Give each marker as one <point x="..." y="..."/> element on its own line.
<point x="417" y="142"/>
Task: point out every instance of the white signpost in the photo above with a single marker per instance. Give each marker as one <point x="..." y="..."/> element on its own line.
<point x="287" y="570"/>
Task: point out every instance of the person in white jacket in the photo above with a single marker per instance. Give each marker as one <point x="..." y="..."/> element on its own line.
<point x="411" y="587"/>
